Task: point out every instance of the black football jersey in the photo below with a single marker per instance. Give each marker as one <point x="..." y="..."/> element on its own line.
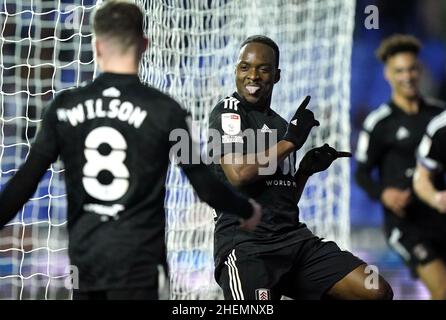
<point x="113" y="137"/>
<point x="431" y="154"/>
<point x="236" y="126"/>
<point x="388" y="142"/>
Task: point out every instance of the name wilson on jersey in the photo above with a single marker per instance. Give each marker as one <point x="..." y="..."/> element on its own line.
<point x="124" y="111"/>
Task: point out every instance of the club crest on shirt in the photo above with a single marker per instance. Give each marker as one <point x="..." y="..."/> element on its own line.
<point x="231" y="123"/>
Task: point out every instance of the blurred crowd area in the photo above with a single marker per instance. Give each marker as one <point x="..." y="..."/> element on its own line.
<point x="425" y="19"/>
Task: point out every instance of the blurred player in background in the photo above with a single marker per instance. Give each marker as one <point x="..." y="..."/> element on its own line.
<point x="282" y="256"/>
<point x="430" y="169"/>
<point x="388" y="142"/>
<point x="113" y="137"/>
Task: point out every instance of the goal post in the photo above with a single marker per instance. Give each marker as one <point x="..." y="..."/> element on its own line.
<point x="45" y="48"/>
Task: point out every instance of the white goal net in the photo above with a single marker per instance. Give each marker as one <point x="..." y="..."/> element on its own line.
<point x="45" y="47"/>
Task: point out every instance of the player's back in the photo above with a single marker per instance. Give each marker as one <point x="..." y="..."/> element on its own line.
<point x="113" y="136"/>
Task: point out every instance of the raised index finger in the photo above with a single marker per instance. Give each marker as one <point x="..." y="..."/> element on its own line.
<point x="304" y="103"/>
<point x="342" y="154"/>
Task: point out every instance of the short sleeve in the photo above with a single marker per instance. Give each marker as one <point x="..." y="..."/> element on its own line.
<point x="369" y="148"/>
<point x="371" y="141"/>
<point x="429" y="152"/>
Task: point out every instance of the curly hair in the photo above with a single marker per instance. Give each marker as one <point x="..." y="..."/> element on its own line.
<point x="396" y="44"/>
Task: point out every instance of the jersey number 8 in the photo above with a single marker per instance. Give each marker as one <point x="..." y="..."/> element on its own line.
<point x="111" y="163"/>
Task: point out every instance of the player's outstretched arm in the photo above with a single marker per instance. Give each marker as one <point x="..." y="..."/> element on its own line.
<point x="316" y="160"/>
<point x="221" y="197"/>
<point x="300" y="125"/>
<point x="319" y="159"/>
<point x="21" y="187"/>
